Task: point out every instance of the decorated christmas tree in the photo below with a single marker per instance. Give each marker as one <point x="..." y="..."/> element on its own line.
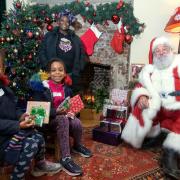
<point x="25" y="25"/>
<point x="20" y="36"/>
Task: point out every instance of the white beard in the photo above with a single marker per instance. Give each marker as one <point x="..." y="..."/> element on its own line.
<point x="163" y="61"/>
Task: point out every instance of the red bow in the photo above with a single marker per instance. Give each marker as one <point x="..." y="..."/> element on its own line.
<point x="68" y="80"/>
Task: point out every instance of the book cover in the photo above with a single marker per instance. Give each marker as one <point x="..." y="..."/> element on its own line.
<point x="40" y="110"/>
<point x="76" y="104"/>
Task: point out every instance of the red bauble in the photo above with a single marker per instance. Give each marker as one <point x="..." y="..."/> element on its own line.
<point x="49" y="27"/>
<point x="47" y="20"/>
<point x="90" y="21"/>
<point x="120" y="4"/>
<point x="115" y="19"/>
<point x="18" y="5"/>
<point x="128" y="38"/>
<point x="30" y="57"/>
<point x="29" y="34"/>
<point x="2" y="40"/>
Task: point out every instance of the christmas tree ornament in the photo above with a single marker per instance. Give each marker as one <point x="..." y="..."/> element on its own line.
<point x="21" y="31"/>
<point x="90" y="38"/>
<point x="53" y="15"/>
<point x="29" y="34"/>
<point x="8" y="39"/>
<point x="30" y="56"/>
<point x="128" y="38"/>
<point x="2" y="40"/>
<point x="34" y="20"/>
<point x="90" y="21"/>
<point x="120" y="4"/>
<point x="115" y="19"/>
<point x="18" y="5"/>
<point x="49" y="27"/>
<point x="15" y="51"/>
<point x="87" y="3"/>
<point x="7" y="27"/>
<point x="16" y="32"/>
<point x="43" y="12"/>
<point x="47" y="20"/>
<point x="118" y="39"/>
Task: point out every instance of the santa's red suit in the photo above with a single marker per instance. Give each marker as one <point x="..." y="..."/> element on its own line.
<point x="161" y="87"/>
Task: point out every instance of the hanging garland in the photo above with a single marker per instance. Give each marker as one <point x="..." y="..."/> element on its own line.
<point x="99" y="14"/>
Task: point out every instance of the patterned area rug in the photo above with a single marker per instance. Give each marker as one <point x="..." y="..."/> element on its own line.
<point x="113" y="162"/>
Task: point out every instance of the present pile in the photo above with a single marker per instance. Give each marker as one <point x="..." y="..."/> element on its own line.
<point x="115" y="114"/>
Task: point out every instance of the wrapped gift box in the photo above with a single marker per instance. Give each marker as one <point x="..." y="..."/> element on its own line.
<point x="101" y="134"/>
<point x="76" y="104"/>
<point x="116" y="112"/>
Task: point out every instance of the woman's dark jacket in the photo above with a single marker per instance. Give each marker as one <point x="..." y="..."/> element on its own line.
<point x="9" y="117"/>
<point x="44" y="94"/>
<point x="48" y="51"/>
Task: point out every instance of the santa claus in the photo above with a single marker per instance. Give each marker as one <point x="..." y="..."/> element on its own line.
<point x="155" y="104"/>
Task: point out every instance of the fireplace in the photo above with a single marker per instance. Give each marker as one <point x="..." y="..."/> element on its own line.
<point x="94" y="77"/>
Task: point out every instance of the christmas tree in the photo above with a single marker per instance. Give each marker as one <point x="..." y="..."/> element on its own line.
<point x="23" y="29"/>
<point x="20" y="36"/>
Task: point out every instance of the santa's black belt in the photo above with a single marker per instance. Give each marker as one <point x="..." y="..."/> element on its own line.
<point x="174" y="93"/>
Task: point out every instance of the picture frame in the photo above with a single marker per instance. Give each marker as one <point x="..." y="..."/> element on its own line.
<point x="135" y="70"/>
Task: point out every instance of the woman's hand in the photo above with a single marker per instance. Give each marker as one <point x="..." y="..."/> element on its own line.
<point x="27" y="121"/>
<point x="70" y="115"/>
<point x="143" y="102"/>
<point x="61" y="111"/>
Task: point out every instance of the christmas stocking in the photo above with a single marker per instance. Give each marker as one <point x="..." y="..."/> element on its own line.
<point x="118" y="39"/>
<point x="89" y="39"/>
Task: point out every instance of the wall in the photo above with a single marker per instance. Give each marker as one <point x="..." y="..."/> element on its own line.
<point x="155" y="14"/>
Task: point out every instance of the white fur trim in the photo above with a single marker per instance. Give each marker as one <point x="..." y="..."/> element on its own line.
<point x="172" y="142"/>
<point x="137" y="92"/>
<point x="160" y="40"/>
<point x="133" y="133"/>
<point x="95" y="31"/>
<point x="45" y="83"/>
<point x="155" y="131"/>
<point x="1" y="92"/>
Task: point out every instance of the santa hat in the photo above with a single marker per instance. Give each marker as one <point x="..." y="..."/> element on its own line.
<point x="154" y="43"/>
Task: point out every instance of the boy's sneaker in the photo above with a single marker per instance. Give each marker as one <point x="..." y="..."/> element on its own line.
<point x="46" y="168"/>
<point x="70" y="167"/>
<point x="82" y="150"/>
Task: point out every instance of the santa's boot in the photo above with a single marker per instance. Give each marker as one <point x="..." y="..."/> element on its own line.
<point x="169" y="163"/>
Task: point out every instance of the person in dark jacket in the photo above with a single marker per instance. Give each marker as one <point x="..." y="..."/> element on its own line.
<point x="19" y="142"/>
<point x="55" y="90"/>
<point x="64" y="44"/>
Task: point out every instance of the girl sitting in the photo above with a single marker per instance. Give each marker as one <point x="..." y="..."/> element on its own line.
<point x="55" y="90"/>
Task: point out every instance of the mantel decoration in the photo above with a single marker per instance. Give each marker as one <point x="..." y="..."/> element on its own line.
<point x="23" y="29"/>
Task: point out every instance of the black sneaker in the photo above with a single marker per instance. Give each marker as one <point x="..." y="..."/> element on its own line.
<point x="70" y="167"/>
<point x="82" y="150"/>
